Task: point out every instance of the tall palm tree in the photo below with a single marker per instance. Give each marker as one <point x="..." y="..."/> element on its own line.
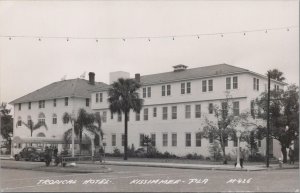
<point x="123" y="97"/>
<point x="84" y="120"/>
<point x="32" y="127"/>
<point x="276" y="74"/>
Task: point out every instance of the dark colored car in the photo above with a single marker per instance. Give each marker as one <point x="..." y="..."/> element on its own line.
<point x="31" y="153"/>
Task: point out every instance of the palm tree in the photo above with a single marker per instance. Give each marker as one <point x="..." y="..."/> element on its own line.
<point x="32" y="127"/>
<point x="276" y="75"/>
<point x="83" y="120"/>
<point x="123" y="96"/>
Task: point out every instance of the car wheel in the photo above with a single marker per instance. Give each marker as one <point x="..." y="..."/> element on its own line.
<point x="32" y="159"/>
<point x="17" y="158"/>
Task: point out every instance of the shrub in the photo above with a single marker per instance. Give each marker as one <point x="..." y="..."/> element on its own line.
<point x="116" y="153"/>
<point x="256" y="158"/>
<point x="215" y="151"/>
<point x="194" y="156"/>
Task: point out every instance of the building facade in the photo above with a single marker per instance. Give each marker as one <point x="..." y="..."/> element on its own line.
<point x="176" y="105"/>
<point x="48" y="105"/>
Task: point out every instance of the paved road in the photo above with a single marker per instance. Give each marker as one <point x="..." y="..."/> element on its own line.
<point x="129" y="179"/>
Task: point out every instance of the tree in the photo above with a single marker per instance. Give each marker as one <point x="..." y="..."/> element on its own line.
<point x="223" y="125"/>
<point x="276" y="75"/>
<point x="82" y="121"/>
<point x="6" y="124"/>
<point x="284" y="114"/>
<point x="32" y="127"/>
<point x="123" y="97"/>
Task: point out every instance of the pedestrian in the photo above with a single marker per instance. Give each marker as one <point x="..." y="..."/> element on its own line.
<point x="291" y="155"/>
<point x="55" y="151"/>
<point x="48" y="156"/>
<point x="242" y="157"/>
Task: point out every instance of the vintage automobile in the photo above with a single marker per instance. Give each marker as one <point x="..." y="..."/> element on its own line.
<point x="31" y="154"/>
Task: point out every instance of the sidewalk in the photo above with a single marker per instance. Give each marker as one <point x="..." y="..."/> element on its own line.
<point x="92" y="167"/>
<point x="40" y="166"/>
<point x="199" y="167"/>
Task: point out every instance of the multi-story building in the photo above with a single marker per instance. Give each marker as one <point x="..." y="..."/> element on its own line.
<point x="48" y="105"/>
<point x="176" y="105"/>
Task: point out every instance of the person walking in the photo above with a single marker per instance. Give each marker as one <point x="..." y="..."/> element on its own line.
<point x="291" y="155"/>
<point x="48" y="156"/>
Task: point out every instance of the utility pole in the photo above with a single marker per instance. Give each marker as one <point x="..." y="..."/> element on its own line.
<point x="268" y="121"/>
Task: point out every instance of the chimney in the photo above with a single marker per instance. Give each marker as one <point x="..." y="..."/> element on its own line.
<point x="138" y="77"/>
<point x="92" y="78"/>
<point x="179" y="67"/>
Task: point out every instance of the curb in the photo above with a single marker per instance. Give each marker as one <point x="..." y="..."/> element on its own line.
<point x="60" y="169"/>
<point x="183" y="167"/>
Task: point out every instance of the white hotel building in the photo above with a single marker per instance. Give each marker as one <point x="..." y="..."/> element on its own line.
<point x="175" y="106"/>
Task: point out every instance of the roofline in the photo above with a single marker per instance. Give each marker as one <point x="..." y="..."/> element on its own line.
<point x="200" y="77"/>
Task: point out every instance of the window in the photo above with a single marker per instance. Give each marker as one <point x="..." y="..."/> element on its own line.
<point x="113" y="140"/>
<point x="224" y="109"/>
<point x="198" y="111"/>
<point x="54" y="119"/>
<point x="54" y="102"/>
<point x="174" y="139"/>
<point x="41" y="118"/>
<point x="144" y="92"/>
<point x="187" y="111"/>
<point x="149" y="91"/>
<point x="163" y="90"/>
<point x="146" y="114"/>
<point x="236" y="108"/>
<point x="182" y="88"/>
<point x="225" y="138"/>
<point x="19" y="121"/>
<point x="142" y="139"/>
<point x="188" y="87"/>
<point x="165" y="113"/>
<point x="165" y="139"/>
<point x="204" y="82"/>
<point x="276" y="87"/>
<point x="153" y="139"/>
<point x="255" y="84"/>
<point x="188" y="139"/>
<point x="234" y="139"/>
<point x="168" y="90"/>
<point x="29" y="121"/>
<point x="235" y="82"/>
<point x="210" y="85"/>
<point x="104" y="116"/>
<point x="154" y="112"/>
<point x="111" y="115"/>
<point x="228" y="83"/>
<point x="198" y="139"/>
<point x="252" y="109"/>
<point x="210" y="108"/>
<point x="29" y="105"/>
<point x="119" y="117"/>
<point x="41" y="104"/>
<point x="211" y="138"/>
<point x="20" y="106"/>
<point x="66" y="101"/>
<point x="97" y="97"/>
<point x="123" y="139"/>
<point x="174" y="112"/>
<point x="87" y="102"/>
<point x="137" y="116"/>
<point x="101" y="97"/>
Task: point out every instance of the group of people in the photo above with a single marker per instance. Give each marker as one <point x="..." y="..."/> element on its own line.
<point x="49" y="153"/>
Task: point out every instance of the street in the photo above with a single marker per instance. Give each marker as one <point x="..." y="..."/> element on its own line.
<point x="150" y="179"/>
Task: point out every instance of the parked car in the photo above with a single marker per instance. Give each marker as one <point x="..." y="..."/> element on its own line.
<point x="31" y="154"/>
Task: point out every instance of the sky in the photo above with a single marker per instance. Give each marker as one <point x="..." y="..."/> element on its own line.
<point x="27" y="64"/>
